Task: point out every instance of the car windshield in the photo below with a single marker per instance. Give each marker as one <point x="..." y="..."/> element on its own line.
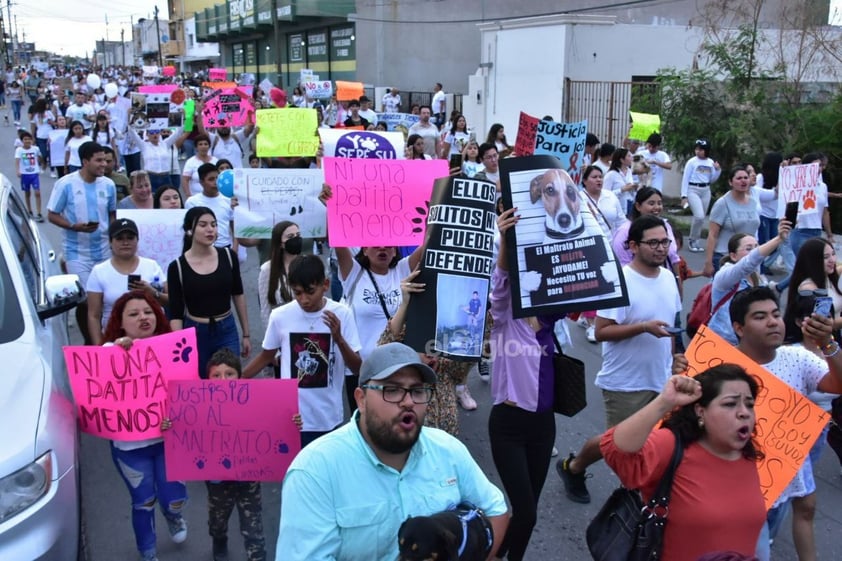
<point x="11" y="317"/>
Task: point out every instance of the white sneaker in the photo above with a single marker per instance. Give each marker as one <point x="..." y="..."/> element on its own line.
<point x="53" y="174"/>
<point x="582" y="322"/>
<point x="694" y="247"/>
<point x="554" y="453"/>
<point x="465" y="400"/>
<point x="591" y="333"/>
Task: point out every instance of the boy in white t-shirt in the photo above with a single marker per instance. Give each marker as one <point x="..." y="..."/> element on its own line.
<point x="28" y="158"/>
<point x="317" y="339"/>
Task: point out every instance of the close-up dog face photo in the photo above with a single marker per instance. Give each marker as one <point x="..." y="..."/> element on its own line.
<point x="560" y="199"/>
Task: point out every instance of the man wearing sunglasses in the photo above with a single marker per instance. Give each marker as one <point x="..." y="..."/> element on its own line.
<point x="347" y="493"/>
<point x="638" y="344"/>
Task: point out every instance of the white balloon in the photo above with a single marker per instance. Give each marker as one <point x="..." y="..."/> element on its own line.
<point x="93" y="81"/>
<point x="111" y="90"/>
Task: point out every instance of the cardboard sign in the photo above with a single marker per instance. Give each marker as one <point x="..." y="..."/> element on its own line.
<point x="120" y="394"/>
<point x="799" y="183"/>
<point x="788" y="423"/>
<point x="527" y="133"/>
<point x="353" y="142"/>
<point x="399" y="122"/>
<point x="161" y="235"/>
<point x="228" y="107"/>
<point x="644" y="124"/>
<point x="153" y="109"/>
<point x="287" y="131"/>
<point x="346" y="91"/>
<point x="231" y="430"/>
<point x="217" y="74"/>
<point x="322" y="89"/>
<point x="456" y="268"/>
<point x="379" y="202"/>
<point x="565" y="141"/>
<point x="269" y="196"/>
<point x="559" y="259"/>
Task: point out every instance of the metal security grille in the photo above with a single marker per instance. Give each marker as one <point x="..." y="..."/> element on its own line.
<point x="606" y="105"/>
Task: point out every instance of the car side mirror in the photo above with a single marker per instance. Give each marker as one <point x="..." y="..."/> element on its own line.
<point x="64" y="292"/>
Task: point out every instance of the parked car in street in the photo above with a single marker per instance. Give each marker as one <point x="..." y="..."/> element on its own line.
<point x="40" y="507"/>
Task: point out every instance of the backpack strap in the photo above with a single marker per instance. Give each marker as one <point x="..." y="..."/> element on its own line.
<point x="723" y="300"/>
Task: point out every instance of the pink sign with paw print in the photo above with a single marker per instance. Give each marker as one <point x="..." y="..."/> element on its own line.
<point x="120" y="393"/>
<point x="231" y="430"/>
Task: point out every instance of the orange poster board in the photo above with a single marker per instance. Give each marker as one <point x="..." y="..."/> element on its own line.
<point x="346" y="91"/>
<point x="788" y="423"/>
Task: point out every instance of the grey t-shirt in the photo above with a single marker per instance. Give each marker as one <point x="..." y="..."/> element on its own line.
<point x="734" y="218"/>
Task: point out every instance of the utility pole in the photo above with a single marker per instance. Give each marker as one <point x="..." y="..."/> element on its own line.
<point x="158" y="36"/>
<point x="11" y="35"/>
<point x="123" y="42"/>
<point x="104" y="42"/>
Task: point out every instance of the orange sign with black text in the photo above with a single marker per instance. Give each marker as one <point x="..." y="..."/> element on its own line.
<point x="788" y="423"/>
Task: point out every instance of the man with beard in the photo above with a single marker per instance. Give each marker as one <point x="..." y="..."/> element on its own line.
<point x="637" y="354"/>
<point x="346" y="494"/>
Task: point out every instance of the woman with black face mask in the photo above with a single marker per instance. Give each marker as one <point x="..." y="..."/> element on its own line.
<point x="272" y="286"/>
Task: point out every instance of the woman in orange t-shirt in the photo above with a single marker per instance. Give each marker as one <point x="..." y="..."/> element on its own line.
<point x="716" y="502"/>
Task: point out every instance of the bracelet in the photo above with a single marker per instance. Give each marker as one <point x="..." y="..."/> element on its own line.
<point x="246" y="336"/>
<point x="830" y="350"/>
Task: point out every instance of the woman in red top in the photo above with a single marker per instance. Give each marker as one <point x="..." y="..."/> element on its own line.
<point x="716" y="502"/>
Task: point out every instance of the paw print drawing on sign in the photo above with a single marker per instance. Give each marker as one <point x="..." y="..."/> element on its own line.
<point x="181" y="352"/>
<point x="296" y="210"/>
<point x="226" y="462"/>
<point x="200" y="462"/>
<point x="282" y="447"/>
<point x="418" y="222"/>
<point x="810" y="200"/>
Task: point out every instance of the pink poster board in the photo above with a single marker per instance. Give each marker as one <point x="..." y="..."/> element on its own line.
<point x="217" y="74"/>
<point x="379" y="202"/>
<point x="121" y="394"/>
<point x="160" y="88"/>
<point x="228" y="107"/>
<point x="231" y="430"/>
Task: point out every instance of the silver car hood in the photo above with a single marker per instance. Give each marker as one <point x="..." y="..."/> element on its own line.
<point x="21" y="399"/>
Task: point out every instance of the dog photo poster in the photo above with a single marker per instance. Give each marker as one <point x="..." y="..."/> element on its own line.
<point x="559" y="259"/>
<point x="456" y="269"/>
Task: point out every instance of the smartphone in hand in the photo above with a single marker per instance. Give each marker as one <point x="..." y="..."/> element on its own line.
<point x="133" y="279"/>
<point x="823" y="306"/>
<point x="791" y="213"/>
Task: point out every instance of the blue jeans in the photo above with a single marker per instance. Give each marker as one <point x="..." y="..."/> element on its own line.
<point x="717" y="259"/>
<point x="44" y="147"/>
<point x="768" y="230"/>
<point x="143" y="472"/>
<point x="72" y="168"/>
<point x="16" y="105"/>
<point x="210" y="337"/>
<point x="188" y="149"/>
<point x="796" y="239"/>
<point x="159" y="180"/>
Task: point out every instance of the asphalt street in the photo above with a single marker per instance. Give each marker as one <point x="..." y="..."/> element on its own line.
<point x="559" y="534"/>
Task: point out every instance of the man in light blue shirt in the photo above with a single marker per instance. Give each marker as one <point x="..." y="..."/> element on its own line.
<point x="346" y="494"/>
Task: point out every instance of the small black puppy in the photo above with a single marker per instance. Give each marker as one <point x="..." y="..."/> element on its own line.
<point x="460" y="534"/>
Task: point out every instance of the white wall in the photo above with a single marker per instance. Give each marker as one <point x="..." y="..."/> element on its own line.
<point x="197" y="49"/>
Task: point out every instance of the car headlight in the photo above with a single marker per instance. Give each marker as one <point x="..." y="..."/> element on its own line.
<point x="23" y="488"/>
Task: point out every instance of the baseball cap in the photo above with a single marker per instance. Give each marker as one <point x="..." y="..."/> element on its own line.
<point x="702" y="143"/>
<point x="364" y="98"/>
<point x="387" y="359"/>
<point x="122" y="225"/>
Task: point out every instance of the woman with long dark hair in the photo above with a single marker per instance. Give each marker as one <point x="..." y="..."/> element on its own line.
<point x="619" y="179"/>
<point x="713" y="416"/>
<point x="735" y="212"/>
<point x="497" y="137"/>
<point x="202" y="284"/>
<point x="456" y="139"/>
<point x="815" y="269"/>
<point x="272" y="284"/>
<point x="76" y="137"/>
<point x="42" y="123"/>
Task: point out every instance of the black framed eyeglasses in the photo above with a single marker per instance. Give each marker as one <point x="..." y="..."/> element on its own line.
<point x="654" y="244"/>
<point x="396" y="394"/>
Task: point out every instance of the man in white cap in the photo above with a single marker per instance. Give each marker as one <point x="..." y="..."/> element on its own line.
<point x="347" y="493"/>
